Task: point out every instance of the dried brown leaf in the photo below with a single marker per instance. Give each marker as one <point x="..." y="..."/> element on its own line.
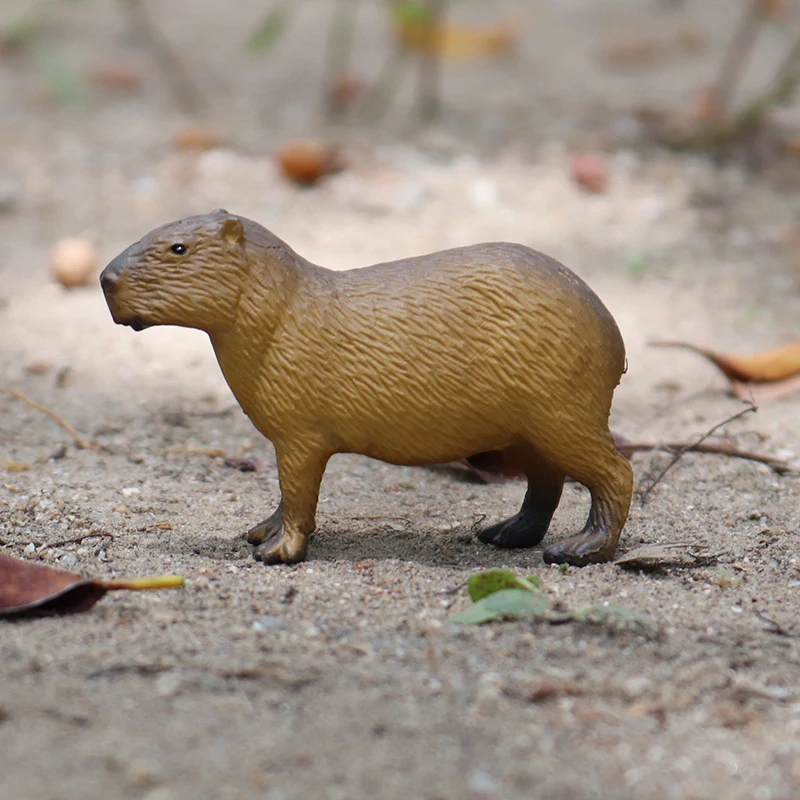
<point x="28" y="589"/>
<point x="653" y="557"/>
<point x="763" y="392"/>
<point x="767" y="366"/>
<point x="455" y="41"/>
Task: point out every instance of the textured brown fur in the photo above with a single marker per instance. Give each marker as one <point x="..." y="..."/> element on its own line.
<point x="418" y="361"/>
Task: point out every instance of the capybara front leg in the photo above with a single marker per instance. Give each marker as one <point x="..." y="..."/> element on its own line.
<point x="610" y="480"/>
<point x="529" y="525"/>
<point x="268" y="527"/>
<point x="300" y="474"/>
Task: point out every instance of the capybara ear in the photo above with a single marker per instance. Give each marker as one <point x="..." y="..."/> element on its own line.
<point x="232" y="230"/>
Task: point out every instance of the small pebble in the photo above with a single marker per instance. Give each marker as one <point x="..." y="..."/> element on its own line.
<point x="590" y="172"/>
<point x="143" y="773"/>
<point x="305" y="162"/>
<point x="482" y="782"/>
<point x="269" y="624"/>
<point x="74" y="262"/>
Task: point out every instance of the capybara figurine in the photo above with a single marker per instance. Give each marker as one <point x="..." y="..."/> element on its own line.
<point x="493" y="347"/>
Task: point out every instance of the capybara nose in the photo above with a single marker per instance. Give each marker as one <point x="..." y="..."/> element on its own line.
<point x="110" y="275"/>
<point x="107" y="281"/>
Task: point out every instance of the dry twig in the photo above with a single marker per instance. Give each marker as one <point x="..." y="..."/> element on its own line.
<point x="430" y="102"/>
<point x="780" y="91"/>
<point x="79" y="539"/>
<point x="778" y="464"/>
<point x="774" y="626"/>
<point x="340" y="46"/>
<point x="737" y="54"/>
<point x="680" y="453"/>
<point x="82" y="443"/>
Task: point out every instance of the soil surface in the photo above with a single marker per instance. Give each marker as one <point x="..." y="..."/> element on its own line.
<point x="343" y="677"/>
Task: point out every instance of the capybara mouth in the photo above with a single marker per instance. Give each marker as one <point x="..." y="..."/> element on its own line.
<point x="138" y="324"/>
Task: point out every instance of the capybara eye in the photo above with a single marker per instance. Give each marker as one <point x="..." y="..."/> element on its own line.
<point x="179" y="249"/>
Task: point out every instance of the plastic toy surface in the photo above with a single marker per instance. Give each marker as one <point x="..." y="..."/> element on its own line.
<point x="418" y="361"/>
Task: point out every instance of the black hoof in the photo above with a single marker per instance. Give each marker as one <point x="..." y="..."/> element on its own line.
<point x="519" y="531"/>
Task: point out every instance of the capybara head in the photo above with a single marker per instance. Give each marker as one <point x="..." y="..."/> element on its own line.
<point x="188" y="273"/>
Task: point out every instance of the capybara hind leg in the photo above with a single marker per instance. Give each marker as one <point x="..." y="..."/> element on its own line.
<point x="529" y="525"/>
<point x="609" y="478"/>
<point x="300" y="473"/>
<point x="268" y="527"/>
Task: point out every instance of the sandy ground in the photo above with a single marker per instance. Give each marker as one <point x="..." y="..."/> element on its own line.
<point x="342" y="677"/>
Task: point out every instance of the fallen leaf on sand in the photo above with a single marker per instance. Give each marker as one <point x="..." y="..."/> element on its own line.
<point x="306" y="161"/>
<point x="451" y="40"/>
<point x="762" y="392"/>
<point x="767" y="366"/>
<point x="654" y="557"/>
<point x="505" y="604"/>
<point x="29" y="589"/>
<point x="482" y="584"/>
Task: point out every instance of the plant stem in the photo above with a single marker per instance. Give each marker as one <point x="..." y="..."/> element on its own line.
<point x="430" y="95"/>
<point x="340" y="45"/>
<point x="183" y="89"/>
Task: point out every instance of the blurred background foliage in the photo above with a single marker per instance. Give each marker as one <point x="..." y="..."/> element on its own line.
<point x="418" y="38"/>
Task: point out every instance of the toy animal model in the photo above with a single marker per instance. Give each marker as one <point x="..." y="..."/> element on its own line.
<point x="494" y="347"/>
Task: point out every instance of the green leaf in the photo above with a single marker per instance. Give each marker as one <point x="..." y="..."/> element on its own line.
<point x="637" y="264"/>
<point x="504" y="604"/>
<point x="536" y="581"/>
<point x="60" y="79"/>
<point x="411" y="13"/>
<point x="21" y="31"/>
<point x="270" y="29"/>
<point x="490" y="581"/>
